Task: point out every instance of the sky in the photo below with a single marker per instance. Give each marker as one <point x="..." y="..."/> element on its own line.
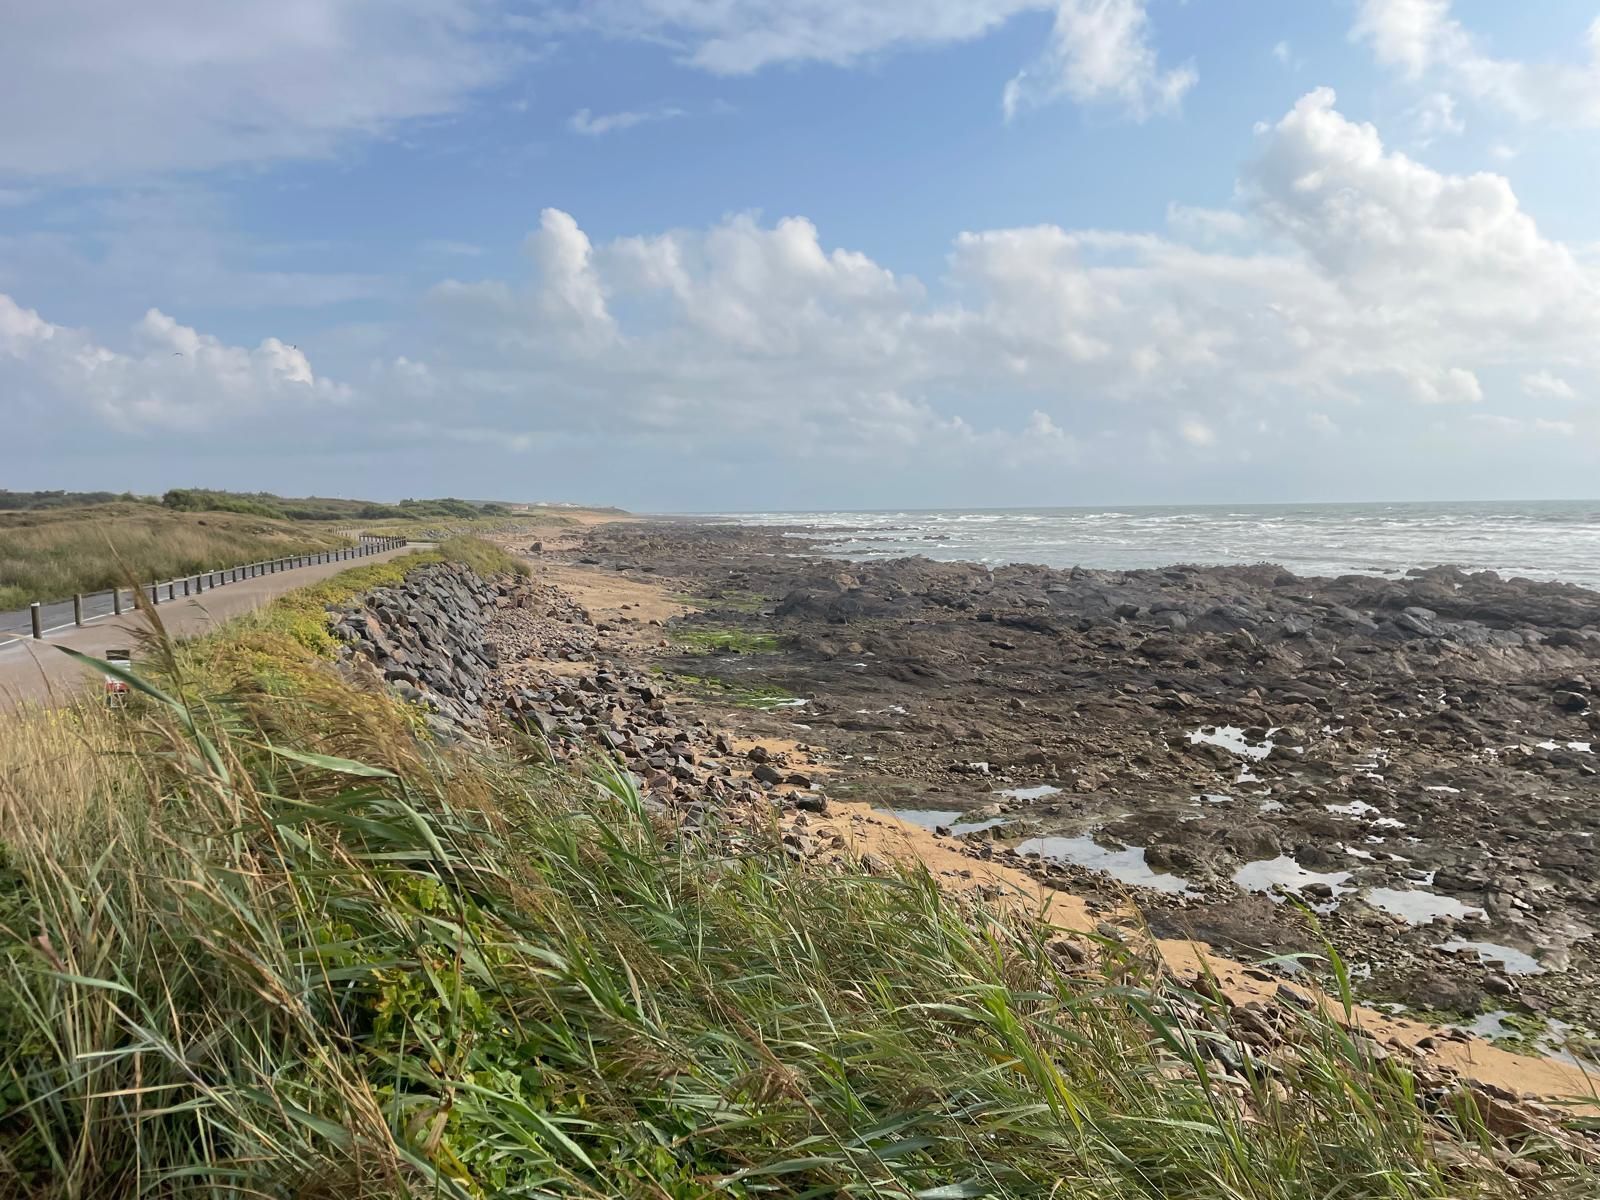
<point x="717" y="255"/>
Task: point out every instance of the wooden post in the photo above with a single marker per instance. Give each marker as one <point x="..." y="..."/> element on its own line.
<point x="38" y="621"/>
<point x="116" y="601"/>
<point x="155" y="593"/>
<point x="77" y="608"/>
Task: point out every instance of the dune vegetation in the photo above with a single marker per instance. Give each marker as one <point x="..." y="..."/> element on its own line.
<point x="50" y="554"/>
<point x="261" y="936"/>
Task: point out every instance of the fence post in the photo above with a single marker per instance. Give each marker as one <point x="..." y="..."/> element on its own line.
<point x="185" y="585"/>
<point x="77" y="608"/>
<point x="38" y="622"/>
<point x="155" y="593"/>
<point x="172" y="591"/>
<point x="116" y="602"/>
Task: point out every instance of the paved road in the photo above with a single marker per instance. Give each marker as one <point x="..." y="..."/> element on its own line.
<point x="58" y="614"/>
<point x="35" y="671"/>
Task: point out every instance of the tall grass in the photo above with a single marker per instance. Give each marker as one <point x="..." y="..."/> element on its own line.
<point x="50" y="555"/>
<point x="263" y="941"/>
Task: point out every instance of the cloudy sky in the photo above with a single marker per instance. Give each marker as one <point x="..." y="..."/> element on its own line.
<point x="733" y="254"/>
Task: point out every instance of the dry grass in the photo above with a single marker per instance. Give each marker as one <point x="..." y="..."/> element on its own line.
<point x="49" y="555"/>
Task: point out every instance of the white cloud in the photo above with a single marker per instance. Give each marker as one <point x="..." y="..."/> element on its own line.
<point x="1544" y="383"/>
<point x="1207" y="224"/>
<point x="1282" y="53"/>
<point x="1352" y="291"/>
<point x="1099" y="50"/>
<point x="1424" y="40"/>
<point x="1452" y="385"/>
<point x="1100" y="53"/>
<point x="736" y="37"/>
<point x="178" y="379"/>
<point x="1352" y="284"/>
<point x="1521" y="427"/>
<point x="1433" y="115"/>
<point x="98" y="90"/>
<point x="594" y="124"/>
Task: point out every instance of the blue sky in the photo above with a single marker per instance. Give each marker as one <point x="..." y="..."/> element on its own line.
<point x="719" y="254"/>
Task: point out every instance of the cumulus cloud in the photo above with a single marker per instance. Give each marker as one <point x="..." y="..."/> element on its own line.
<point x="1353" y="291"/>
<point x="176" y="379"/>
<point x="1545" y="383"/>
<point x="97" y="90"/>
<point x="1100" y="52"/>
<point x="1424" y="40"/>
<point x="1351" y="274"/>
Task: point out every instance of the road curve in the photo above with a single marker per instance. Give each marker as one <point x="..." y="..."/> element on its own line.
<point x="34" y="671"/>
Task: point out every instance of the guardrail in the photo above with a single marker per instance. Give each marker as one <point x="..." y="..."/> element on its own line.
<point x="39" y="618"/>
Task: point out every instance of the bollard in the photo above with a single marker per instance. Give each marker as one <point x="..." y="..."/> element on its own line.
<point x="155" y="593"/>
<point x="172" y="591"/>
<point x="77" y="608"/>
<point x="38" y="622"/>
<point x="116" y="602"/>
<point x="186" y="587"/>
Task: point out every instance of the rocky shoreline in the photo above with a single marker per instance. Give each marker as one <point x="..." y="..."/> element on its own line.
<point x="1259" y="761"/>
<point x="1321" y="760"/>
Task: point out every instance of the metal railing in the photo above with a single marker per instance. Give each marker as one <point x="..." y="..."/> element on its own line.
<point x="41" y="618"/>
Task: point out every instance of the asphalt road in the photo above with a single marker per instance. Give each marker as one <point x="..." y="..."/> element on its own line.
<point x="58" y="615"/>
<point x="35" y="671"/>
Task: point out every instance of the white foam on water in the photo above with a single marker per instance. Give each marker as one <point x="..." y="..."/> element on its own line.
<point x="1542" y="539"/>
<point x="1388" y="823"/>
<point x="1580" y="747"/>
<point x="1368" y="855"/>
<point x="1127" y="865"/>
<point x="1439" y="787"/>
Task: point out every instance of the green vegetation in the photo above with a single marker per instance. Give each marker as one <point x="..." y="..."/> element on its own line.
<point x="319" y="508"/>
<point x="764" y="697"/>
<point x="50" y="550"/>
<point x="731" y="599"/>
<point x="301" y="616"/>
<point x="50" y="554"/>
<point x="258" y="938"/>
<point x="725" y="641"/>
<point x="33" y="501"/>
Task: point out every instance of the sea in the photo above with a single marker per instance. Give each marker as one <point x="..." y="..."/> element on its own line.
<point x="1545" y="539"/>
